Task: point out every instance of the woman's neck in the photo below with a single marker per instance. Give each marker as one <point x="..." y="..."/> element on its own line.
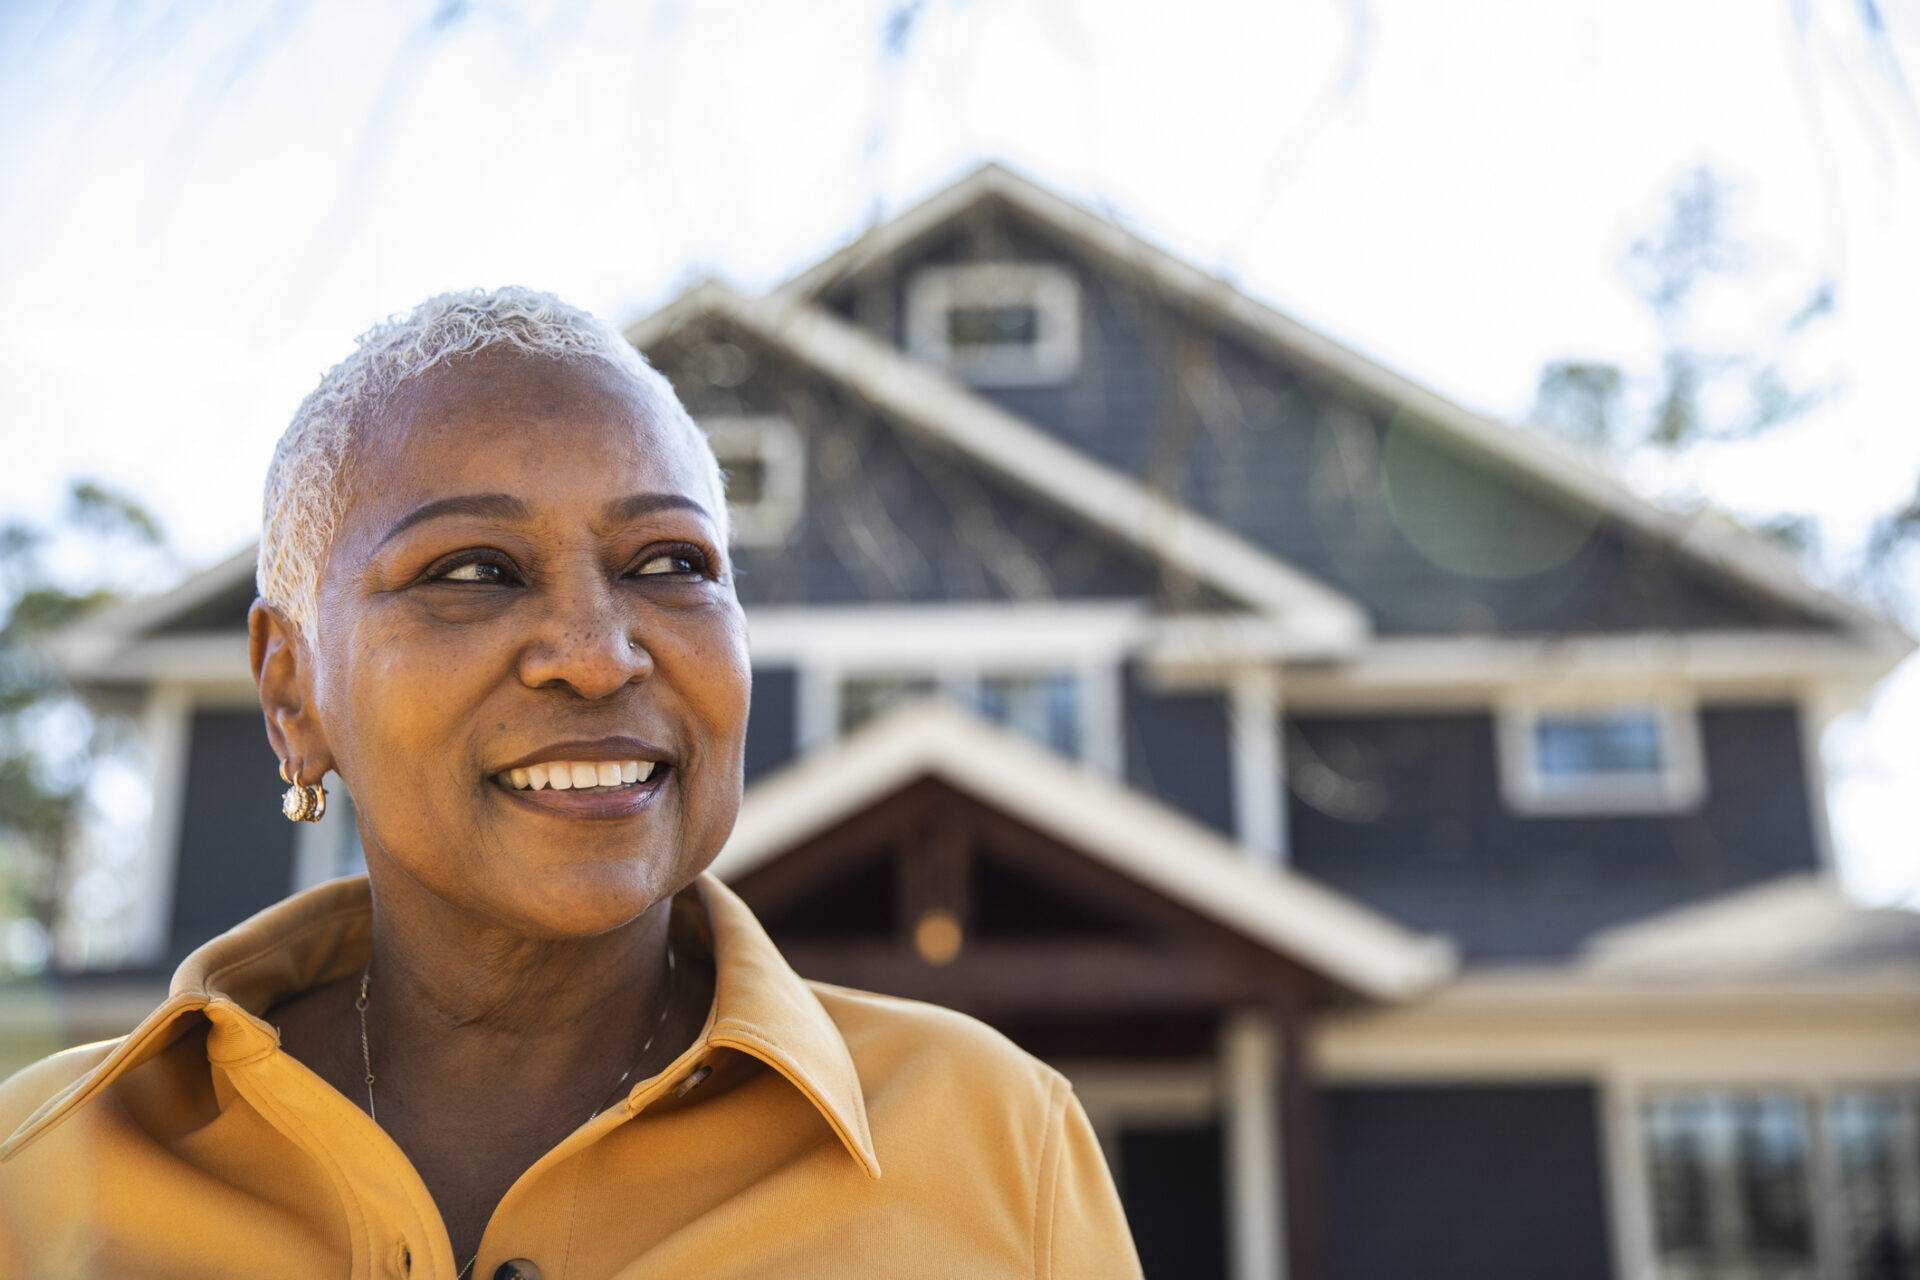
<point x="488" y="1048"/>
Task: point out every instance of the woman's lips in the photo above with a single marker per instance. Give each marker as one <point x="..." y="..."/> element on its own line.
<point x="587" y="789"/>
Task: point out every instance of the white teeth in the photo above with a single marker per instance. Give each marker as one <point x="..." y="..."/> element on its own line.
<point x="565" y="775"/>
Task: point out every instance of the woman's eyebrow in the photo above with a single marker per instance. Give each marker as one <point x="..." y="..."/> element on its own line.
<point x="640" y="504"/>
<point x="498" y="506"/>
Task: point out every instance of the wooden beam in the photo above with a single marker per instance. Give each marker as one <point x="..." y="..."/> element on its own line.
<point x="776" y="885"/>
<point x="936" y="864"/>
<point x="1058" y="977"/>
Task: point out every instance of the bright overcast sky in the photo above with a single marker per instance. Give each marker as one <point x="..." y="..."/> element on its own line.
<point x="204" y="203"/>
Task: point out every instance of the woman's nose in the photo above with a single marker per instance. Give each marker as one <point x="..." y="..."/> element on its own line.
<point x="587" y="643"/>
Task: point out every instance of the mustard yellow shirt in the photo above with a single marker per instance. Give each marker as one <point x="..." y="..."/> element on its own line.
<point x="810" y="1131"/>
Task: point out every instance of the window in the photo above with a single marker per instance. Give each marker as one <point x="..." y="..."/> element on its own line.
<point x="1728" y="1172"/>
<point x="1044" y="706"/>
<point x="1875" y="1138"/>
<point x="865" y="698"/>
<point x="1776" y="1185"/>
<point x="996" y="324"/>
<point x="764" y="462"/>
<point x="1622" y="758"/>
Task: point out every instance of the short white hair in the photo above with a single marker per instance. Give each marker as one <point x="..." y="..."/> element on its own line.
<point x="306" y="494"/>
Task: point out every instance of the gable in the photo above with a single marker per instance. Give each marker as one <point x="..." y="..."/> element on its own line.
<point x="888" y="518"/>
<point x="1368" y="484"/>
<point x="932" y="893"/>
<point x="1159" y="852"/>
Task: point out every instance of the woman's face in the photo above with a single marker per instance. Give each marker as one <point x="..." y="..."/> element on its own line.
<point x="533" y="578"/>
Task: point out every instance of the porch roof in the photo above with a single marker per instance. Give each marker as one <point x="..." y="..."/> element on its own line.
<point x="1126" y="831"/>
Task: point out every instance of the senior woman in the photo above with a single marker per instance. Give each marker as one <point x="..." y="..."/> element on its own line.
<point x="534" y="1041"/>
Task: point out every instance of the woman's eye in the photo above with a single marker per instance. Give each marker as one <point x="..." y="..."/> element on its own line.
<point x="672" y="562"/>
<point x="488" y="571"/>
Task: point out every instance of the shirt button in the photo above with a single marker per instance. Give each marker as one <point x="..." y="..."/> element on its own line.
<point x="517" y="1269"/>
<point x="692" y="1081"/>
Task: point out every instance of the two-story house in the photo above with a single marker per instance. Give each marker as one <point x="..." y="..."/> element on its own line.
<point x="1410" y="842"/>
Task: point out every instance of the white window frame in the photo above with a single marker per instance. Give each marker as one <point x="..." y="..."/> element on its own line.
<point x="1636" y="1231"/>
<point x="1098" y="724"/>
<point x="1052" y="291"/>
<point x="954" y="642"/>
<point x="1680" y="785"/>
<point x="782" y="455"/>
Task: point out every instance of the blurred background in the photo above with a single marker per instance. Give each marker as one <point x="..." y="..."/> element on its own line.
<point x="1673" y="245"/>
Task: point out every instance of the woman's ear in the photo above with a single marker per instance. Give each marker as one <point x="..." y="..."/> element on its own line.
<point x="283" y="672"/>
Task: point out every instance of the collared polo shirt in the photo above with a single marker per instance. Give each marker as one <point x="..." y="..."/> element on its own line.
<point x="809" y="1132"/>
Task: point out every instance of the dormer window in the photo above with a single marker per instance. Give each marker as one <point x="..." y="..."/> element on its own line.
<point x="1042" y="705"/>
<point x="996" y="324"/>
<point x="764" y="462"/>
<point x="1600" y="758"/>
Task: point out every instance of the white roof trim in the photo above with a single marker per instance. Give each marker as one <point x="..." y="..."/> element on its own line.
<point x="1319" y="618"/>
<point x="1132" y="833"/>
<point x="1801" y="925"/>
<point x="95" y="645"/>
<point x="1705" y="536"/>
<point x="1725" y="663"/>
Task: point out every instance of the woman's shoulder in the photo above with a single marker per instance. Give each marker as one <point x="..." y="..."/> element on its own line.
<point x="33" y="1086"/>
<point x="26" y="1089"/>
<point x="889" y="1036"/>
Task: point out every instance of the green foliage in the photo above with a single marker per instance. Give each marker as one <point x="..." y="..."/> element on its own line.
<point x="1581" y="398"/>
<point x="1697" y="392"/>
<point x="47" y="736"/>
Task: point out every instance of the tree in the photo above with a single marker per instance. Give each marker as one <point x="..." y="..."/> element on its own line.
<point x="50" y="741"/>
<point x="1699" y="391"/>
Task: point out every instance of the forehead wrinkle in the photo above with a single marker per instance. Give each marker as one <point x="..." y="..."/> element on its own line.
<point x="449" y="398"/>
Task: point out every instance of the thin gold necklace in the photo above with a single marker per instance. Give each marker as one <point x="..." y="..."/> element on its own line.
<point x="366" y="1056"/>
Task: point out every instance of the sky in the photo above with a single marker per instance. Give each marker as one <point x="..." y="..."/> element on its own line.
<point x="205" y="202"/>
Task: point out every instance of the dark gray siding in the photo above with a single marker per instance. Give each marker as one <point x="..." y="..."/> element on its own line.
<point x="1416" y="826"/>
<point x="1466" y="1184"/>
<point x="225" y="611"/>
<point x="1172" y="1184"/>
<point x="236" y="849"/>
<point x="1346" y="488"/>
<point x="1178" y="749"/>
<point x="771" y="728"/>
<point x="890" y="517"/>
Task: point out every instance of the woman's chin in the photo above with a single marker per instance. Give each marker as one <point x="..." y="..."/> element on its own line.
<point x="583" y="900"/>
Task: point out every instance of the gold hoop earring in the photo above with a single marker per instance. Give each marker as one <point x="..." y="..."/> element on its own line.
<point x="301" y="803"/>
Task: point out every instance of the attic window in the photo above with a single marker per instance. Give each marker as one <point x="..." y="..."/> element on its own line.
<point x="764" y="462"/>
<point x="1597" y="758"/>
<point x="996" y="324"/>
<point x="1044" y="706"/>
<point x="974" y="327"/>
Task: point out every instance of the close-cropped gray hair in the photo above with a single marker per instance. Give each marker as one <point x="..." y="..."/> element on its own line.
<point x="306" y="495"/>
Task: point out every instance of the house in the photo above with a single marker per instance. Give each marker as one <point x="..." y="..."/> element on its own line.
<point x="1410" y="842"/>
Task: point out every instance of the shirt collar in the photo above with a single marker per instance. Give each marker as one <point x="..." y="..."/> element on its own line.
<point x="763" y="1008"/>
<point x="760" y="1007"/>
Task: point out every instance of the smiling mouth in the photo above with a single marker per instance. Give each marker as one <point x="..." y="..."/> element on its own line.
<point x="593" y="777"/>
